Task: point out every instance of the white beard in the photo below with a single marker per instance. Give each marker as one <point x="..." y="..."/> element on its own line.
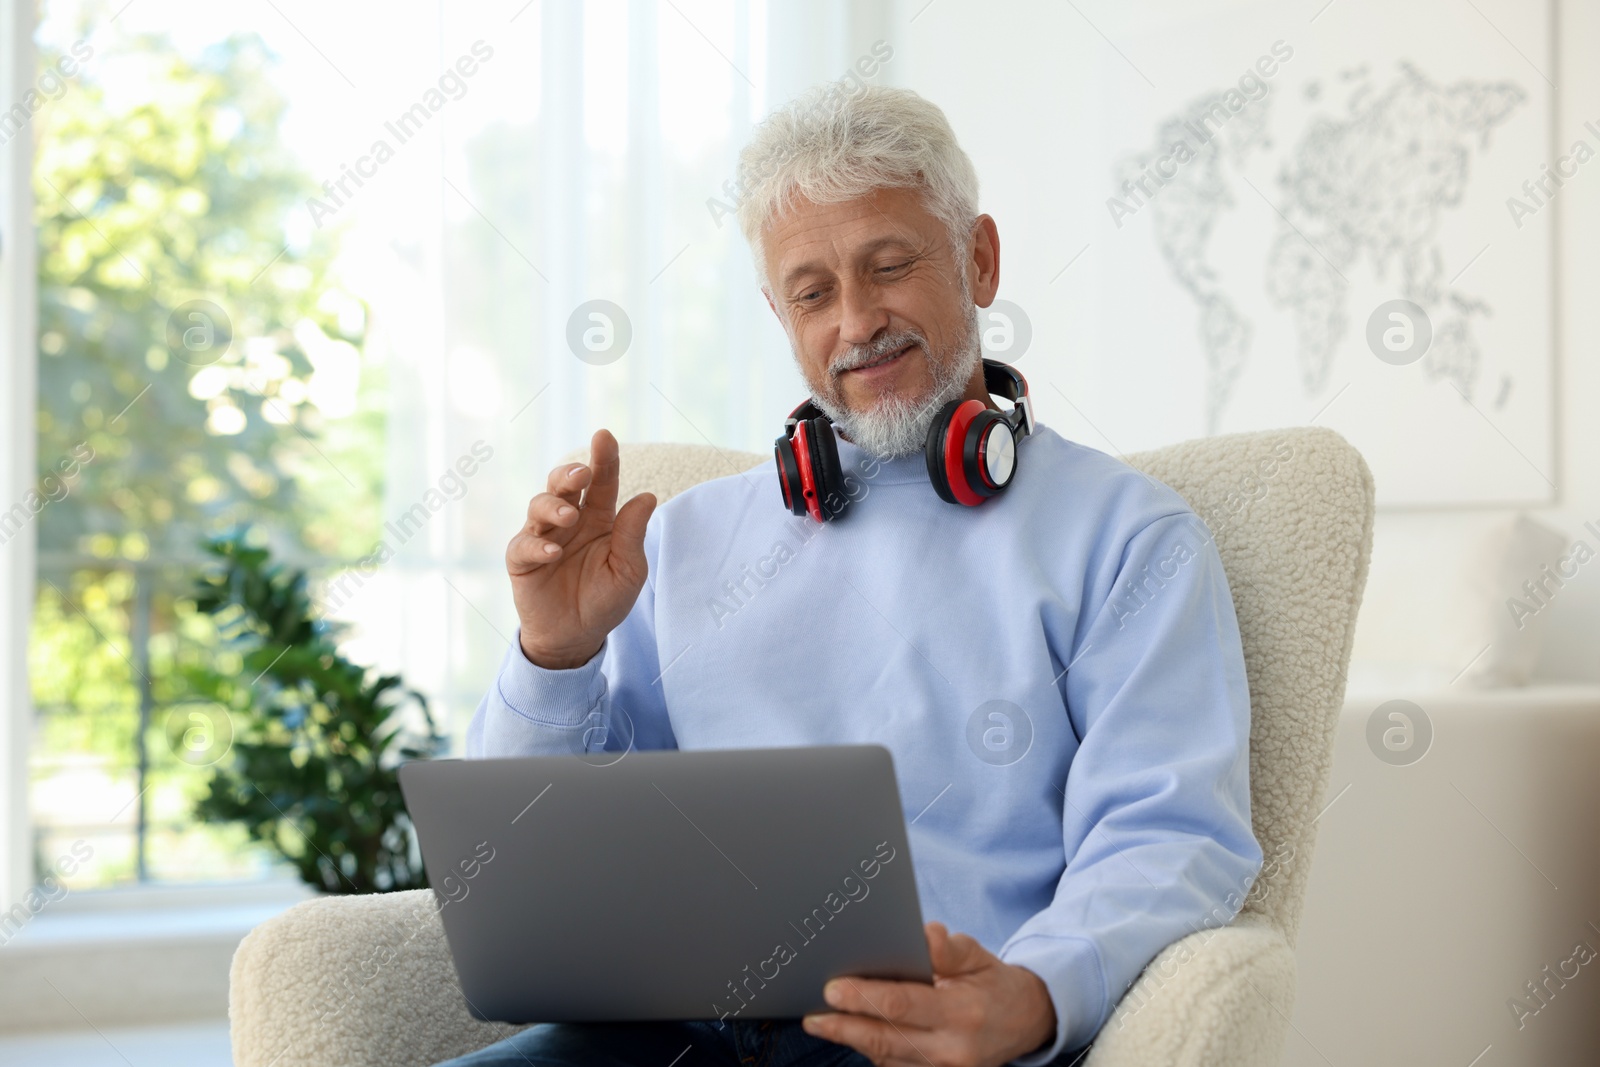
<point x="897" y="425"/>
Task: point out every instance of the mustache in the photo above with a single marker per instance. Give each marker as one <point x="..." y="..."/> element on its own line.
<point x="861" y="355"/>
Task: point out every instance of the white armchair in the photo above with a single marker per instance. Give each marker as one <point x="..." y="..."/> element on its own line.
<point x="342" y="981"/>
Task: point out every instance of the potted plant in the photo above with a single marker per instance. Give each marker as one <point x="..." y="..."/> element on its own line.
<point x="309" y="742"/>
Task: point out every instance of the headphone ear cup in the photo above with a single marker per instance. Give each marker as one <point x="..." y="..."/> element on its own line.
<point x="806" y="459"/>
<point x="933" y="451"/>
<point x="989" y="454"/>
<point x="789" y="476"/>
<point x="826" y="469"/>
<point x="954" y="434"/>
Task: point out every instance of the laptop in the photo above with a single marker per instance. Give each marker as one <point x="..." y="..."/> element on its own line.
<point x="727" y="884"/>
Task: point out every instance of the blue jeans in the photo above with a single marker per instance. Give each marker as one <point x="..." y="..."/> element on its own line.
<point x="756" y="1043"/>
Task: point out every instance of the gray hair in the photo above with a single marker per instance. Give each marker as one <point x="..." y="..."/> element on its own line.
<point x="837" y="142"/>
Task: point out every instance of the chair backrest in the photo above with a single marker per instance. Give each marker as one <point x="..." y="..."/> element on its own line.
<point x="1291" y="511"/>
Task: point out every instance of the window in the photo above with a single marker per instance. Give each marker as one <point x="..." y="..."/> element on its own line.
<point x="289" y="282"/>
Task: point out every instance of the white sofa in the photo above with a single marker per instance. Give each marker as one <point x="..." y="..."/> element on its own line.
<point x="1443" y="886"/>
<point x="338" y="982"/>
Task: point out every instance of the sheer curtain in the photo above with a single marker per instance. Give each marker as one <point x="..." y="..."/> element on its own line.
<point x="587" y="159"/>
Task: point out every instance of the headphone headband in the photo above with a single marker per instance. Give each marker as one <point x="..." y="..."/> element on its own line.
<point x="1002" y="379"/>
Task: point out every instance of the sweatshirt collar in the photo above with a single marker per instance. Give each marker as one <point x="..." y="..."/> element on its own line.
<point x="857" y="462"/>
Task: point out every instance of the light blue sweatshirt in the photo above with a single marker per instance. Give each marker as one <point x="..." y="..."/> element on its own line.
<point x="1057" y="673"/>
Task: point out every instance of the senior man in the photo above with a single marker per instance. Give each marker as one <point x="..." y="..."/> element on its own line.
<point x="1050" y="653"/>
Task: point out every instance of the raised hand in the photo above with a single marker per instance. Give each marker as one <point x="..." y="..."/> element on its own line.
<point x="576" y="571"/>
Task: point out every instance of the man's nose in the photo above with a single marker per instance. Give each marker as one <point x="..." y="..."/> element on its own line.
<point x="862" y="314"/>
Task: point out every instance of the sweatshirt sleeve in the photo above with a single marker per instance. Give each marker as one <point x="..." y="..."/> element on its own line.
<point x="611" y="703"/>
<point x="1156" y="805"/>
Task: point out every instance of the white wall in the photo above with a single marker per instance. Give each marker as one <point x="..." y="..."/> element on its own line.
<point x="1419" y="558"/>
<point x="1025" y="83"/>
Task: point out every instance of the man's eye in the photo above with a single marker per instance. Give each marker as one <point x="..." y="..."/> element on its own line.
<point x="892" y="267"/>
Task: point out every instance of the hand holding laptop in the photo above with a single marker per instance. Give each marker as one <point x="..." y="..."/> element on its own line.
<point x="578" y="563"/>
<point x="978" y="1010"/>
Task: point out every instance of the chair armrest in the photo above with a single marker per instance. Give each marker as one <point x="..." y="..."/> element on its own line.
<point x="1218" y="998"/>
<point x="341" y="981"/>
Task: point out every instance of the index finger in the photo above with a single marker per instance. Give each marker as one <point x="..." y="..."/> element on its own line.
<point x="604" y="462"/>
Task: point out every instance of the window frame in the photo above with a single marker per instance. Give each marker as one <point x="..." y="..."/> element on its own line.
<point x="18" y="398"/>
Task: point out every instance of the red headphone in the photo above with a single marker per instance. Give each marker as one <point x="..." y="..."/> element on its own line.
<point x="969" y="459"/>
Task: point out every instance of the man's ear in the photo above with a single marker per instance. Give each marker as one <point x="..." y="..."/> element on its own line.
<point x="985" y="256"/>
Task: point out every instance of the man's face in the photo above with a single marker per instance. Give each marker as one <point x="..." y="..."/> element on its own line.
<point x="879" y="312"/>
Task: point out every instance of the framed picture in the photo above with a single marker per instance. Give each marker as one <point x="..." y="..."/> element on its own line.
<point x="1342" y="217"/>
